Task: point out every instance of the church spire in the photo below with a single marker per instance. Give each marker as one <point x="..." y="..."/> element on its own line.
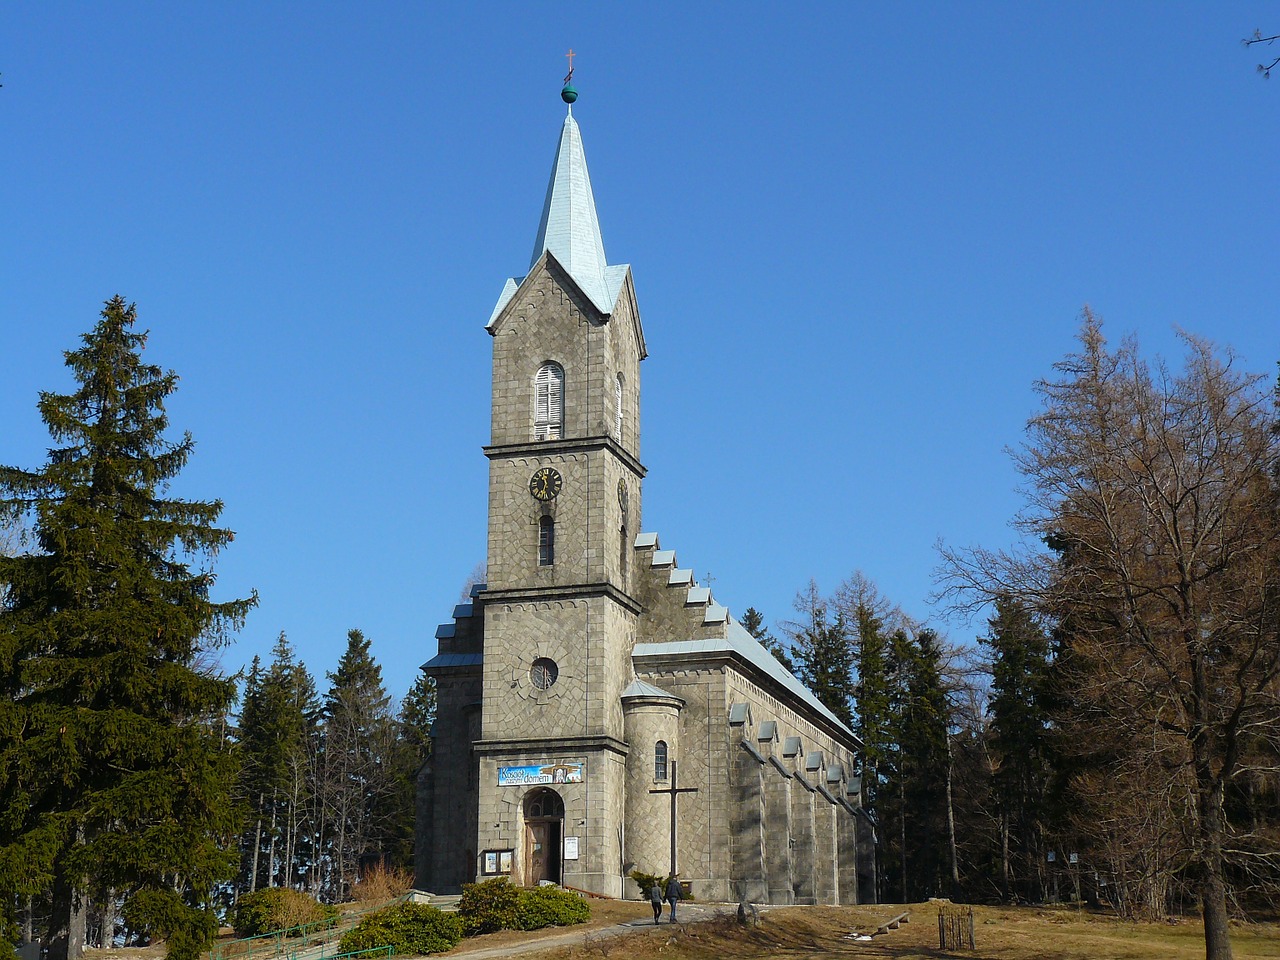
<point x="570" y="229"/>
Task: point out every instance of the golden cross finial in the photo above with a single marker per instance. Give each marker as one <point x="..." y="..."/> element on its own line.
<point x="570" y="55"/>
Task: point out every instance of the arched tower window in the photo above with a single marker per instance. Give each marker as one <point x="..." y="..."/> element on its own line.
<point x="622" y="550"/>
<point x="548" y="402"/>
<point x="617" y="408"/>
<point x="660" y="760"/>
<point x="546" y="541"/>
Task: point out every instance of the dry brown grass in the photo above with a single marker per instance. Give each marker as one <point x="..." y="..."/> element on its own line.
<point x="809" y="933"/>
<point x="382" y="883"/>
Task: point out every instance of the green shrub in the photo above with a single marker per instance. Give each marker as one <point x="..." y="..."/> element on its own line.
<point x="278" y="908"/>
<point x="645" y="882"/>
<point x="409" y="929"/>
<point x="162" y="914"/>
<point x="550" y="907"/>
<point x="489" y="906"/>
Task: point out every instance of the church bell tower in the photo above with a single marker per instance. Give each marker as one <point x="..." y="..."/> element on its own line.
<point x="564" y="510"/>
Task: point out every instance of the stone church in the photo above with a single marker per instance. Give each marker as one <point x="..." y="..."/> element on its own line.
<point x="599" y="712"/>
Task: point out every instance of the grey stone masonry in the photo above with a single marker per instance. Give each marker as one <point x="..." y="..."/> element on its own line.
<point x="749" y="876"/>
<point x="825" y="849"/>
<point x="778" y="832"/>
<point x="847" y="843"/>
<point x="802" y="835"/>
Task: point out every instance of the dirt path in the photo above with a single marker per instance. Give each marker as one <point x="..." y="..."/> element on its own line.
<point x="687" y="913"/>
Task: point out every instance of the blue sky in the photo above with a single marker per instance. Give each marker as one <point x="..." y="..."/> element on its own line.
<point x="859" y="233"/>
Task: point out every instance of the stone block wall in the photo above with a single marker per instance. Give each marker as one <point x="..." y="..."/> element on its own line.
<point x="648" y="815"/>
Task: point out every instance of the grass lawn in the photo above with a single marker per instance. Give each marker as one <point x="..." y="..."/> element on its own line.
<point x="1002" y="933"/>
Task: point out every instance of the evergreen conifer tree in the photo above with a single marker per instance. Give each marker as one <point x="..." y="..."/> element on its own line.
<point x="753" y="623"/>
<point x="111" y="769"/>
<point x="276" y="726"/>
<point x="412" y="750"/>
<point x="823" y="654"/>
<point x="356" y="774"/>
<point x="1019" y="708"/>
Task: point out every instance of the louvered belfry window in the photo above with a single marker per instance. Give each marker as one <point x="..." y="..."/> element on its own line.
<point x="617" y="409"/>
<point x="548" y="415"/>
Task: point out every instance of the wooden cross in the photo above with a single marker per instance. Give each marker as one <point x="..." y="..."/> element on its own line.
<point x="674" y="791"/>
<point x="570" y="55"/>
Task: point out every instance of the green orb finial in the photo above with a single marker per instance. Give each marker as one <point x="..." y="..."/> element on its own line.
<point x="569" y="94"/>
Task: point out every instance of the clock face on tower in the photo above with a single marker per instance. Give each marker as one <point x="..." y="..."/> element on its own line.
<point x="623" y="499"/>
<point x="545" y="484"/>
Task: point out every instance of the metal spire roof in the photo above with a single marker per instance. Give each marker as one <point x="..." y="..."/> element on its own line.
<point x="570" y="229"/>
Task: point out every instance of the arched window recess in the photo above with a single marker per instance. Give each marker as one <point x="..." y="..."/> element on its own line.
<point x="548" y="402"/>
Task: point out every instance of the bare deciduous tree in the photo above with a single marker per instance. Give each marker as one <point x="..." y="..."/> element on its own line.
<point x="1155" y="491"/>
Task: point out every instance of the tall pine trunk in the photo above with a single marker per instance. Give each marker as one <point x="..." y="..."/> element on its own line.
<point x="902" y="828"/>
<point x="951" y="828"/>
<point x="1004" y="856"/>
<point x="69" y="922"/>
<point x="257" y="846"/>
<point x="271" y="847"/>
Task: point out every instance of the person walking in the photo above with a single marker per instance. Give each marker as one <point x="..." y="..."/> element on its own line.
<point x="674" y="894"/>
<point x="655" y="899"/>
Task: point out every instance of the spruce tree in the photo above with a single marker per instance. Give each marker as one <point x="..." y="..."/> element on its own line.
<point x="923" y="763"/>
<point x="276" y="726"/>
<point x="412" y="750"/>
<point x="1019" y="709"/>
<point x="823" y="654"/>
<point x="112" y="769"/>
<point x="753" y="623"/>
<point x="356" y="776"/>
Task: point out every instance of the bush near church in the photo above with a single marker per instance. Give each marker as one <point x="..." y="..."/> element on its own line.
<point x="551" y="907"/>
<point x="645" y="882"/>
<point x="495" y="904"/>
<point x="278" y="908"/>
<point x="410" y="929"/>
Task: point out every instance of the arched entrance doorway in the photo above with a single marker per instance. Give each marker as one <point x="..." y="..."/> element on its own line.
<point x="543" y="828"/>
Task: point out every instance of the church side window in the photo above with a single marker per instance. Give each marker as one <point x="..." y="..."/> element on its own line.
<point x="546" y="541"/>
<point x="660" y="760"/>
<point x="617" y="408"/>
<point x="548" y="413"/>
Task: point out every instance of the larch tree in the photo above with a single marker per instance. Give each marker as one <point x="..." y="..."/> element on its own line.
<point x="113" y="771"/>
<point x="1155" y="491"/>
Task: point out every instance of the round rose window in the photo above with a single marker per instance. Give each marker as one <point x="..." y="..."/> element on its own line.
<point x="544" y="672"/>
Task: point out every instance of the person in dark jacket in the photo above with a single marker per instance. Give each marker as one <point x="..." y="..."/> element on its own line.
<point x="655" y="900"/>
<point x="673" y="895"/>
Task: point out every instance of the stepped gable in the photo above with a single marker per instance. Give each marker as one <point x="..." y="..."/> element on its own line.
<point x="460" y="642"/>
<point x="682" y="619"/>
<point x="676" y="606"/>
